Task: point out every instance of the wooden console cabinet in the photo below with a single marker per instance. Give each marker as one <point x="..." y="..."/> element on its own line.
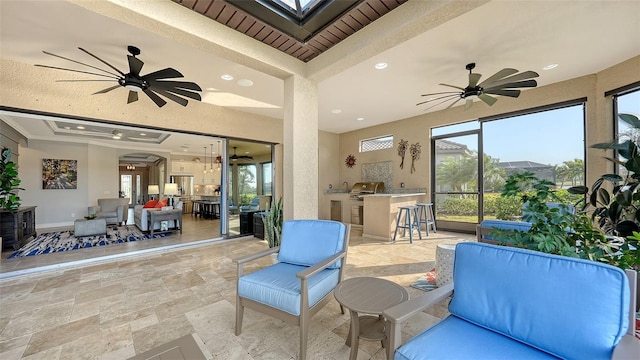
<point x="17" y="227"/>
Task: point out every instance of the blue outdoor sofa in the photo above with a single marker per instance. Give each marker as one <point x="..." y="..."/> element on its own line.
<point x="511" y="303"/>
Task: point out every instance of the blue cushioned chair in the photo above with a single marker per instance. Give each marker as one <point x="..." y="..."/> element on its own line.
<point x="252" y="206"/>
<point x="311" y="259"/>
<point x="512" y="303"/>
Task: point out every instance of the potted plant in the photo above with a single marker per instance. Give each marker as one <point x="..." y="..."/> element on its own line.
<point x="272" y="219"/>
<point x="9" y="199"/>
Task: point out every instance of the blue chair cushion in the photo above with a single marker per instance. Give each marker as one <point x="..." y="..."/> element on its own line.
<point x="307" y="242"/>
<point x="277" y="286"/>
<point x="531" y="296"/>
<point x="454" y="338"/>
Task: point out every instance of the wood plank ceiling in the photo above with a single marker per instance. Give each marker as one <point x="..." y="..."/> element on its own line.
<point x="355" y="18"/>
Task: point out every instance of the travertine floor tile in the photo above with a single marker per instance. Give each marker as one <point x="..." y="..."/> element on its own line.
<point x="120" y="308"/>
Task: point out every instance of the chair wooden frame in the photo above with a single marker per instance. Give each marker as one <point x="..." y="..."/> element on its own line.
<point x="306" y="312"/>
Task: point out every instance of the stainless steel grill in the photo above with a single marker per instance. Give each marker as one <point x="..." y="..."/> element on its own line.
<point x="357" y="191"/>
<point x="365" y="188"/>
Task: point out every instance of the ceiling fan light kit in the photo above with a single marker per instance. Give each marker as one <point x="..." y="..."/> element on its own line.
<point x="152" y="84"/>
<point x="235" y="157"/>
<point x="503" y="83"/>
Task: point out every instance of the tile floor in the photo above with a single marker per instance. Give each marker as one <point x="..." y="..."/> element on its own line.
<point x="119" y="308"/>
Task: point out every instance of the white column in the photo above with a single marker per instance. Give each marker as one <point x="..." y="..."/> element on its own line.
<point x="300" y="165"/>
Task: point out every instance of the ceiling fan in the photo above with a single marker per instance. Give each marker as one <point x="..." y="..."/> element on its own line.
<point x="152" y="84"/>
<point x="235" y="157"/>
<point x="501" y="83"/>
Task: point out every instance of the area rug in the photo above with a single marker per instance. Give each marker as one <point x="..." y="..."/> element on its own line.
<point x="426" y="282"/>
<point x="59" y="241"/>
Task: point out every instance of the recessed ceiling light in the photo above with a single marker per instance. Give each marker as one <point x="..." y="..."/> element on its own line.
<point x="381" y="65"/>
<point x="360" y="119"/>
<point x="67" y="127"/>
<point x="245" y="82"/>
<point x="226" y="77"/>
<point x="80" y="127"/>
<point x="336" y="111"/>
<point x="143" y="134"/>
<point x="550" y="66"/>
<point x="116" y="135"/>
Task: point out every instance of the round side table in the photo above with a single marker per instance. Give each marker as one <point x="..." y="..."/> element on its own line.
<point x="445" y="254"/>
<point x="371" y="296"/>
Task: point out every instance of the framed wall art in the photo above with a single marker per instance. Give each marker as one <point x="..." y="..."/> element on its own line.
<point x="59" y="174"/>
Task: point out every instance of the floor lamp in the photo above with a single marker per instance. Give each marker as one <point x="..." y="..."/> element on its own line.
<point x="170" y="189"/>
<point x="153" y="190"/>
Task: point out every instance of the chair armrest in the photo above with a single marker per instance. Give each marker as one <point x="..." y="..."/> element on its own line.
<point x="316" y="268"/>
<point x="92" y="210"/>
<point x="245" y="259"/>
<point x="627" y="348"/>
<point x="396" y="315"/>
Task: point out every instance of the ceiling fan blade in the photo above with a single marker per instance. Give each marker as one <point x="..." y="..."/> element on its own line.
<point x="78" y="62"/>
<point x="77" y="71"/>
<point x="517" y="77"/>
<point x="489" y="100"/>
<point x="497" y="76"/>
<point x="450" y="96"/>
<point x="156" y="99"/>
<point x="518" y="84"/>
<point x="170" y="96"/>
<point x="106" y="90"/>
<point x="440" y="93"/>
<point x="453" y="103"/>
<point x="511" y="93"/>
<point x="441" y="102"/>
<point x="102" y="61"/>
<point x="468" y="104"/>
<point x="133" y="96"/>
<point x="135" y="65"/>
<point x="163" y="74"/>
<point x="473" y="79"/>
<point x="181" y="92"/>
<point x="84" y="80"/>
<point x="168" y="84"/>
<point x="453" y="86"/>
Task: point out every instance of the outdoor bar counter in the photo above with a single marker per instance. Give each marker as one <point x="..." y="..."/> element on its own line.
<point x="381" y="212"/>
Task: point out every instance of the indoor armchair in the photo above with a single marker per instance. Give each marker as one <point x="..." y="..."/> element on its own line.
<point x="311" y="259"/>
<point x="115" y="210"/>
<point x="512" y="303"/>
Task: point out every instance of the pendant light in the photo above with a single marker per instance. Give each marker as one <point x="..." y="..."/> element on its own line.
<point x="219" y="157"/>
<point x="211" y="170"/>
<point x="205" y="160"/>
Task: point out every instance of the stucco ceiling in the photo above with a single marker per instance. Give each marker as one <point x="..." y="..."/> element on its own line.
<point x="424" y="43"/>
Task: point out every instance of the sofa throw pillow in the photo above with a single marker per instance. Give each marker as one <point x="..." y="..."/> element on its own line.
<point x="162" y="203"/>
<point x="150" y="204"/>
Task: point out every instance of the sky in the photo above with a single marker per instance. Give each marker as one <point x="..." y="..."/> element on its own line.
<point x="549" y="137"/>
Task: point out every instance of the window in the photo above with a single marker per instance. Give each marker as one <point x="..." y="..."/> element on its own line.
<point x="626" y="103"/>
<point x="266" y="178"/>
<point x="381" y="143"/>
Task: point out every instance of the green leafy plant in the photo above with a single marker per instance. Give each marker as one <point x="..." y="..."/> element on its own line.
<point x="273" y="219"/>
<point x="9" y="182"/>
<point x="548" y="232"/>
<point x="614" y="200"/>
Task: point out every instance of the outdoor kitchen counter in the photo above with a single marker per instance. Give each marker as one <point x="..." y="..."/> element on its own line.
<point x="381" y="212"/>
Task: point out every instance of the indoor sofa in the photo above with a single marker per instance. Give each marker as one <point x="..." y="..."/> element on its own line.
<point x="114" y="210"/>
<point x="513" y="303"/>
<point x="141" y="216"/>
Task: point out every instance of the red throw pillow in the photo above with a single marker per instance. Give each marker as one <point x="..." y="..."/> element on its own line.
<point x="162" y="203"/>
<point x="150" y="204"/>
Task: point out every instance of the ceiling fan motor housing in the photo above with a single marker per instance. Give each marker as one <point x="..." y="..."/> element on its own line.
<point x="133" y="82"/>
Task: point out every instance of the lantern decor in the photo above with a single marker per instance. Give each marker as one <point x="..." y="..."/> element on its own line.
<point x="350" y="161"/>
<point x="414" y="149"/>
<point x="402" y="149"/>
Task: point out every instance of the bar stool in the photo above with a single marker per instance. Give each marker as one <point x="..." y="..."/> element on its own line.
<point x="410" y="222"/>
<point x="425" y="216"/>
